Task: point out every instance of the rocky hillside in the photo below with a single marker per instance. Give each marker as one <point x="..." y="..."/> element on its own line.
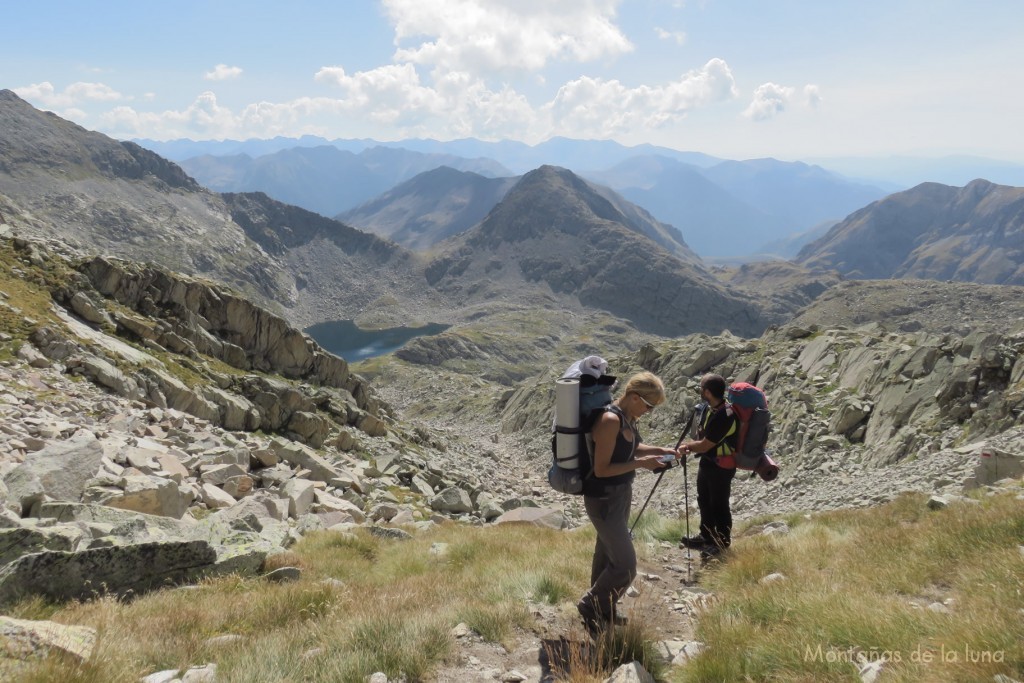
<point x="860" y="415"/>
<point x="552" y="229"/>
<point x="157" y="428"/>
<point x="778" y="287"/>
<point x="60" y="180"/>
<point x="430" y="207"/>
<point x="936" y="232"/>
<point x="918" y="305"/>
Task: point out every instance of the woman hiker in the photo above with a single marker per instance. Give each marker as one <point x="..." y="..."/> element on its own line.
<point x="608" y="494"/>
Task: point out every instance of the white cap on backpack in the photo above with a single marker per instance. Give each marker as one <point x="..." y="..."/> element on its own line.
<point x="594" y="366"/>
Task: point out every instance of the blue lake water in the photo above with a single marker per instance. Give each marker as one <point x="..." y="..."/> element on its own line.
<point x="344" y="338"/>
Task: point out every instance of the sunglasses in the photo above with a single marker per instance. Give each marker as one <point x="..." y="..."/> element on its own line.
<point x="647" y="403"/>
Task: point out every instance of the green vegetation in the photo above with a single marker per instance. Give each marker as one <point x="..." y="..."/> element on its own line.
<point x="25" y="301"/>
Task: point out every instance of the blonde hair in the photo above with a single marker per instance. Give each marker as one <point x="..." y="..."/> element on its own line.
<point x="647" y="386"/>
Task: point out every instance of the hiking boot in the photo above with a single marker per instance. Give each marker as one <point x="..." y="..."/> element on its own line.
<point x="711" y="551"/>
<point x="592" y="622"/>
<point x="694" y="542"/>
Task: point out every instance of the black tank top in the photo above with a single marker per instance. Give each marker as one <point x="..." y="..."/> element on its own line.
<point x="623" y="452"/>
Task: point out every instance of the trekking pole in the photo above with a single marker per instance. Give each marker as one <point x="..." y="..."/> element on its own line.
<point x="686" y="502"/>
<point x="662" y="474"/>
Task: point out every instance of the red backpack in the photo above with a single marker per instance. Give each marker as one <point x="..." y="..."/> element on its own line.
<point x="749" y="405"/>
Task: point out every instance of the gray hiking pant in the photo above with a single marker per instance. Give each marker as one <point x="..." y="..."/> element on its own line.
<point x="614" y="565"/>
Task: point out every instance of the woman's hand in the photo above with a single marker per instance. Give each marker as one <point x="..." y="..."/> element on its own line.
<point x="649" y="462"/>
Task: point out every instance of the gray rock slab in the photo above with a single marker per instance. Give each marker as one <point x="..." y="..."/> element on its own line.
<point x="20" y="541"/>
<point x="62" y="469"/>
<point x="119" y="570"/>
<point x="554" y="519"/>
<point x="24" y="638"/>
<point x="297" y="454"/>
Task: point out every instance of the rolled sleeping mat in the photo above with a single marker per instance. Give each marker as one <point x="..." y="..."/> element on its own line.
<point x="567" y="416"/>
<point x="767" y="469"/>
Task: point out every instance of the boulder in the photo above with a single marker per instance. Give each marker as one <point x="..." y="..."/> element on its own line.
<point x="304" y="457"/>
<point x="120" y="570"/>
<point x="262" y="505"/>
<point x="149" y="495"/>
<point x="372" y="425"/>
<point x="553" y="519"/>
<point x="107" y="375"/>
<point x="18" y="541"/>
<point x="239" y="487"/>
<point x="300" y="496"/>
<point x="851" y="413"/>
<point x="25" y="639"/>
<point x="309" y="427"/>
<point x="180" y="397"/>
<point x="153" y="527"/>
<point x="60" y="471"/>
<point x="220" y="473"/>
<point x="452" y="499"/>
<point x="328" y="503"/>
<point x="634" y="672"/>
<point x="236" y="412"/>
<point x="86" y="309"/>
<point x="994" y="464"/>
<point x="215" y="497"/>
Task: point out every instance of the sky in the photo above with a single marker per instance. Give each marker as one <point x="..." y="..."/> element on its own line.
<point x="732" y="78"/>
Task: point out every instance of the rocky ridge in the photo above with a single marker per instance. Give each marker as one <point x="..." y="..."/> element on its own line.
<point x="967" y="234"/>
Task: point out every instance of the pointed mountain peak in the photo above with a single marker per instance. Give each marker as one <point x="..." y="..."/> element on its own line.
<point x="549" y="199"/>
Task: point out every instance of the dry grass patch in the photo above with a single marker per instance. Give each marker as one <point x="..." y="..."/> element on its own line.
<point x="936" y="594"/>
<point x="363" y="605"/>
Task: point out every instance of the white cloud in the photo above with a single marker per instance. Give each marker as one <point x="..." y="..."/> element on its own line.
<point x="76" y="93"/>
<point x="679" y="37"/>
<point x="202" y="116"/>
<point x="223" y="72"/>
<point x="592" y="107"/>
<point x="456" y="104"/>
<point x="480" y="37"/>
<point x="769" y="100"/>
<point x="384" y="93"/>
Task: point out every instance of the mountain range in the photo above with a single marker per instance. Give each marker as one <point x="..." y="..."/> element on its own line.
<point x="325" y="179"/>
<point x="481" y="252"/>
<point x="553" y="242"/>
<point x="721" y="208"/>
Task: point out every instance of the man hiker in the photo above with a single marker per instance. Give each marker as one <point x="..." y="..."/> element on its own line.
<point x="717" y="433"/>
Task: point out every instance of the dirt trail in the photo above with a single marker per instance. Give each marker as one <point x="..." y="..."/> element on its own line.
<point x="660" y="599"/>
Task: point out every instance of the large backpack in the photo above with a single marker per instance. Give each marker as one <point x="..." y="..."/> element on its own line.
<point x="578" y="403"/>
<point x="749" y="405"/>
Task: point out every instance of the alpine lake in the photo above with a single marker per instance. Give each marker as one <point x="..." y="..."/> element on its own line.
<point x="344" y="338"/>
